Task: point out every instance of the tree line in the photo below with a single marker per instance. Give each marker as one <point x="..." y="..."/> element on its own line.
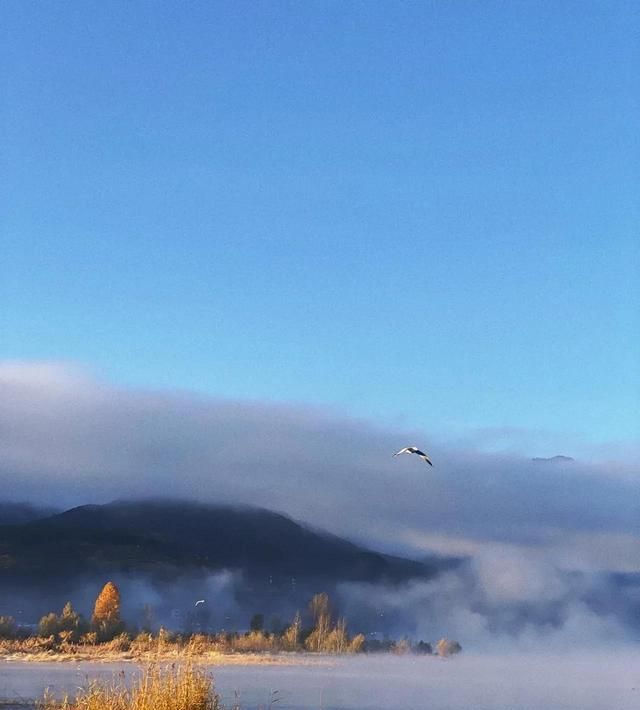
<point x="326" y="633"/>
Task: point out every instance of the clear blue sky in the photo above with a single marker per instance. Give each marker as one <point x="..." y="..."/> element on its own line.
<point x="422" y="212"/>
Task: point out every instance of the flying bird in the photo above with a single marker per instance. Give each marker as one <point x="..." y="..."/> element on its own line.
<point x="200" y="601"/>
<point x="414" y="450"/>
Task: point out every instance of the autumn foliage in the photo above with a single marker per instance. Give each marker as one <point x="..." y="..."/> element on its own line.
<point x="106" y="619"/>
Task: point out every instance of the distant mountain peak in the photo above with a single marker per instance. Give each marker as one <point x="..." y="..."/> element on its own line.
<point x="553" y="459"/>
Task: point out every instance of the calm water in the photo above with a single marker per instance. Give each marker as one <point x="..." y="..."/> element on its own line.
<point x="525" y="682"/>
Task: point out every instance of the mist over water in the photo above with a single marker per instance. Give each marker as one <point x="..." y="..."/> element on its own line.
<point x="592" y="680"/>
<point x="545" y="609"/>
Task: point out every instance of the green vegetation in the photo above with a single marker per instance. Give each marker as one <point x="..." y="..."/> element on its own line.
<point x="257" y="622"/>
<point x="68" y="626"/>
<point x="8" y="627"/>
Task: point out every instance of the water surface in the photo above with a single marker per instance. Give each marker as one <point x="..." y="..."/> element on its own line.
<point x="586" y="681"/>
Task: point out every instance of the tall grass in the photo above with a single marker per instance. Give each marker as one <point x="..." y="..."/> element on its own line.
<point x="175" y="687"/>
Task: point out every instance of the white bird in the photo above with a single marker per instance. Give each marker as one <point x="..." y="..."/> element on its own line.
<point x="414" y="450"/>
<point x="200" y="601"/>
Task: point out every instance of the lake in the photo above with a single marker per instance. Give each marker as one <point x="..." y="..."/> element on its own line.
<point x="575" y="681"/>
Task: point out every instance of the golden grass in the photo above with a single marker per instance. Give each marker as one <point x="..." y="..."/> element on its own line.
<point x="252" y="648"/>
<point x="175" y="687"/>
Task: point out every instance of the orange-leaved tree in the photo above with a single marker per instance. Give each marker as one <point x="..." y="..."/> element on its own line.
<point x="106" y="612"/>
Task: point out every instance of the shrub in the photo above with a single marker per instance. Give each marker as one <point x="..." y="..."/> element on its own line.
<point x="324" y="637"/>
<point x="254" y="641"/>
<point x="401" y="647"/>
<point x="321" y="613"/>
<point x="8" y="627"/>
<point x="147" y="618"/>
<point x="65" y="638"/>
<point x="49" y="625"/>
<point x="68" y="626"/>
<point x="198" y="644"/>
<point x="121" y="642"/>
<point x="336" y="640"/>
<point x="37" y="643"/>
<point x="291" y="636"/>
<point x="423" y="647"/>
<point x="72" y="623"/>
<point x="445" y="647"/>
<point x="164" y="637"/>
<point x="276" y="625"/>
<point x="142" y="643"/>
<point x="257" y="622"/>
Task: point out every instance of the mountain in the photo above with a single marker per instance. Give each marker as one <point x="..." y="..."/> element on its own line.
<point x="165" y="538"/>
<point x="16" y="513"/>
<point x="553" y="459"/>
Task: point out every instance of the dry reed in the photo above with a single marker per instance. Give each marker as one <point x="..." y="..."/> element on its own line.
<point x="175" y="687"/>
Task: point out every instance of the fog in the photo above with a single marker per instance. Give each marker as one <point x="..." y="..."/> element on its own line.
<point x="570" y="611"/>
<point x="550" y="547"/>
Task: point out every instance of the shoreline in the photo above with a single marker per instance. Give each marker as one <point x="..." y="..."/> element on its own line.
<point x="206" y="658"/>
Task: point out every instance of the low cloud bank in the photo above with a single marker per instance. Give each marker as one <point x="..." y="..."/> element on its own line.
<point x="493" y="603"/>
<point x="539" y="608"/>
<point x="67" y="438"/>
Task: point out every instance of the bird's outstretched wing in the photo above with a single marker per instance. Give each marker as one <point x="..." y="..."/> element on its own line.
<point x="422" y="455"/>
<point x="414" y="450"/>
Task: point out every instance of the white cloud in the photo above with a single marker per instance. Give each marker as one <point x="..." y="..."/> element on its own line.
<point x="67" y="438"/>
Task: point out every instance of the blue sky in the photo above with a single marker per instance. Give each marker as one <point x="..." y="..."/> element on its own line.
<point x="419" y="212"/>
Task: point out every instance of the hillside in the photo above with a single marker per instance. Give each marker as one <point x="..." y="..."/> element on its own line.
<point x="167" y="537"/>
<point x="17" y="513"/>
